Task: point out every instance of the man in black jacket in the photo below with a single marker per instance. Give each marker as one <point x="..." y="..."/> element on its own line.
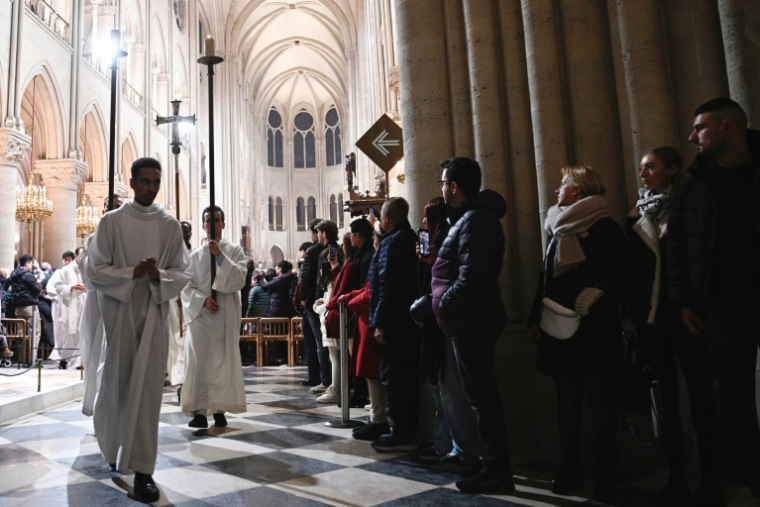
<point x="713" y="269"/>
<point x="467" y="304"/>
<point x="26" y="291"/>
<point x="393" y="289"/>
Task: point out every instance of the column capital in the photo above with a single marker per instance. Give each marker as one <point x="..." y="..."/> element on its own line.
<point x="66" y="173"/>
<point x="14" y="145"/>
<point x="98" y="191"/>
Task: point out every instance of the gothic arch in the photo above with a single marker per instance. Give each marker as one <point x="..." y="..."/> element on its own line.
<point x="93" y="142"/>
<point x="129" y="154"/>
<point x="49" y="128"/>
<point x="276" y="254"/>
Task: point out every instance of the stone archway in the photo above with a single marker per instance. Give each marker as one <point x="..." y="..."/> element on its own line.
<point x="276" y="254"/>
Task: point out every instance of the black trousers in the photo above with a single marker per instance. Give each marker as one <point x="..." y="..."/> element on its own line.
<point x="734" y="337"/>
<point x="662" y="346"/>
<point x="600" y="395"/>
<point x="400" y="374"/>
<point x="313" y="338"/>
<point x="474" y="354"/>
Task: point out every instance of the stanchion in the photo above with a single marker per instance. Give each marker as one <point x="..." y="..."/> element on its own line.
<point x="39" y="376"/>
<point x="345" y="411"/>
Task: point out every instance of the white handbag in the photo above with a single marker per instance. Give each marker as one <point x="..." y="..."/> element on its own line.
<point x="557" y="321"/>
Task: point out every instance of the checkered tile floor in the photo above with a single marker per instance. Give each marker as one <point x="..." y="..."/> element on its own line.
<point x="279" y="453"/>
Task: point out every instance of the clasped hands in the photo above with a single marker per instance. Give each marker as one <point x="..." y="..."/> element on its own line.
<point x="147" y="267"/>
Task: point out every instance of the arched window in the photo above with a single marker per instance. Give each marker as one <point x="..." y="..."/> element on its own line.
<point x="340" y="210"/>
<point x="278" y="215"/>
<point x="333" y="209"/>
<point x="311" y="210"/>
<point x="304" y="143"/>
<point x="332" y="137"/>
<point x="271" y="214"/>
<point x="300" y="215"/>
<point x="274" y="139"/>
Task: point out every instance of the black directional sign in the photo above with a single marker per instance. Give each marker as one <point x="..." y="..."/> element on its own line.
<point x="383" y="143"/>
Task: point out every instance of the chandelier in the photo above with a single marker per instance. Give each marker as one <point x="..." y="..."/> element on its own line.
<point x="32" y="204"/>
<point x="87" y="220"/>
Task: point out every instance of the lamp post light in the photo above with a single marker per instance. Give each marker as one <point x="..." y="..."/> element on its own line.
<point x="175" y="119"/>
<point x="116" y="53"/>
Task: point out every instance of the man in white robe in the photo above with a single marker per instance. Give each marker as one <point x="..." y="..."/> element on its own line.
<point x="138" y="263"/>
<point x="59" y="310"/>
<point x="175" y="364"/>
<point x="213" y="369"/>
<point x="70" y="292"/>
<point x="92" y="346"/>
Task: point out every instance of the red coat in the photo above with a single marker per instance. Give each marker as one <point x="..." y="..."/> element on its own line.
<point x="366" y="361"/>
<point x="346" y="280"/>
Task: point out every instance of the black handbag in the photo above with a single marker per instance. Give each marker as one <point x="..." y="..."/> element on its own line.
<point x="638" y="401"/>
<point x="422" y="308"/>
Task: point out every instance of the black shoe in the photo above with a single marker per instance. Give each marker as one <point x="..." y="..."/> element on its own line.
<point x="145" y="489"/>
<point x="396" y="443"/>
<point x="486" y="482"/>
<point x="565" y="482"/>
<point x="63" y="364"/>
<point x="371" y="431"/>
<point x="310" y="383"/>
<point x="113" y="466"/>
<point x="199" y="421"/>
<point x="429" y="455"/>
<point x="470" y="469"/>
<point x="219" y="420"/>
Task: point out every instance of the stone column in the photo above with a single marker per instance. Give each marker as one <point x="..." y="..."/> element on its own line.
<point x="738" y="20"/>
<point x="546" y="97"/>
<point x="14" y="147"/>
<point x="593" y="117"/>
<point x="76" y="63"/>
<point x="61" y="178"/>
<point x="15" y="92"/>
<point x="645" y="63"/>
<point x="424" y="91"/>
<point x="459" y="83"/>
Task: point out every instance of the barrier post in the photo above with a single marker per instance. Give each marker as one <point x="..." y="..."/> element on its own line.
<point x="345" y="411"/>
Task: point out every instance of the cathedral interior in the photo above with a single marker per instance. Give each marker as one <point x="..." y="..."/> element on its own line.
<point x="525" y="87"/>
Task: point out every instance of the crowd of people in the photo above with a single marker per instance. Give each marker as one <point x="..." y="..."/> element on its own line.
<point x="678" y="282"/>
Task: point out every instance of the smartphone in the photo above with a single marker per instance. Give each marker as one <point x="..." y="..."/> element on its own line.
<point x="372" y="211"/>
<point x="424" y="236"/>
<point x="333" y="252"/>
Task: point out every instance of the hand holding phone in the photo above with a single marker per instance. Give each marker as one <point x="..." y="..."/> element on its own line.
<point x="424" y="236"/>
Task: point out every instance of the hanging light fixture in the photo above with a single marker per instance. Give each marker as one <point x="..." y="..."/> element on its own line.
<point x="32" y="204"/>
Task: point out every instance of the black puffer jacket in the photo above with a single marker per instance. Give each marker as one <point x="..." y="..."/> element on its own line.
<point x="465" y="284"/>
<point x="393" y="284"/>
<point x="280" y="291"/>
<point x="25" y="288"/>
<point x="363" y="259"/>
<point x="308" y="275"/>
<point x="693" y="225"/>
<point x="597" y="346"/>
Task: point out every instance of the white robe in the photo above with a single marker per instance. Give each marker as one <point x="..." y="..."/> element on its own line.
<point x="92" y="346"/>
<point x="175" y="361"/>
<point x="136" y="319"/>
<point x="68" y="312"/>
<point x="213" y="370"/>
<point x="60" y="314"/>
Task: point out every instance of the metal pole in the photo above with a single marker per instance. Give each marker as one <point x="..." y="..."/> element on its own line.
<point x="345" y="411"/>
<point x="117" y="53"/>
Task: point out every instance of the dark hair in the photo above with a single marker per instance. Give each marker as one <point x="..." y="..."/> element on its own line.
<point x="313" y="224"/>
<point x="207" y="209"/>
<point x="465" y="172"/>
<point x="362" y="227"/>
<point x="188" y="223"/>
<point x="24" y="259"/>
<point x="78" y="250"/>
<point x="107" y="198"/>
<point x="271" y="274"/>
<point x="305" y="246"/>
<point x="68" y="254"/>
<point x="330" y="229"/>
<point x="140" y="163"/>
<point x="724" y="108"/>
<point x="435" y="212"/>
<point x="285" y="266"/>
<point x="249" y="266"/>
<point x="396" y="208"/>
<point x="669" y="156"/>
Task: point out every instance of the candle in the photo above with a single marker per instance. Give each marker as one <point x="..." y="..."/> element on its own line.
<point x="210" y="46"/>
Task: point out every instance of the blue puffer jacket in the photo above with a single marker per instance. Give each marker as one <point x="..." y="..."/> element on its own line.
<point x="393" y="280"/>
<point x="466" y="292"/>
<point x="25" y="288"/>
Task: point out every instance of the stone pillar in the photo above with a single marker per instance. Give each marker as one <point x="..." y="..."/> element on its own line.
<point x="459" y="83"/>
<point x="546" y="97"/>
<point x="425" y="114"/>
<point x="61" y="178"/>
<point x="15" y="92"/>
<point x="703" y="63"/>
<point x="76" y="63"/>
<point x="14" y="147"/>
<point x="737" y="18"/>
<point x="593" y="117"/>
<point x="645" y="63"/>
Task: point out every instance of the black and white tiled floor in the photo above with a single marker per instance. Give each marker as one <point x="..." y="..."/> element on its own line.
<point x="279" y="453"/>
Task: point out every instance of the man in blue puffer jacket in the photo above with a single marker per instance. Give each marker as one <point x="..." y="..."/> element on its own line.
<point x="467" y="304"/>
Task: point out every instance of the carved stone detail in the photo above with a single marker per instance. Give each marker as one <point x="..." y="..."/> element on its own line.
<point x="64" y="173"/>
<point x="14" y="146"/>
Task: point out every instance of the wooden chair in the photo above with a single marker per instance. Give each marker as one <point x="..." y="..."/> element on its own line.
<point x="296" y="335"/>
<point x="271" y="329"/>
<point x="249" y="329"/>
<point x="16" y="331"/>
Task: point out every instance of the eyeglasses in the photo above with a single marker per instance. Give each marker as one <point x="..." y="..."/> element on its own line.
<point x="442" y="183"/>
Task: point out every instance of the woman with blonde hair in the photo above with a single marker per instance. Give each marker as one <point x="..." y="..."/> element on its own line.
<point x="586" y="271"/>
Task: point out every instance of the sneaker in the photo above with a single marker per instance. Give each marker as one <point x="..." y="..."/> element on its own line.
<point x="452" y="460"/>
<point x="331" y="395"/>
<point x="429" y="455"/>
<point x="372" y="431"/>
<point x="394" y="443"/>
<point x="486" y="482"/>
<point x="321" y="388"/>
<point x="367" y="407"/>
<point x="199" y="421"/>
<point x="310" y="383"/>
